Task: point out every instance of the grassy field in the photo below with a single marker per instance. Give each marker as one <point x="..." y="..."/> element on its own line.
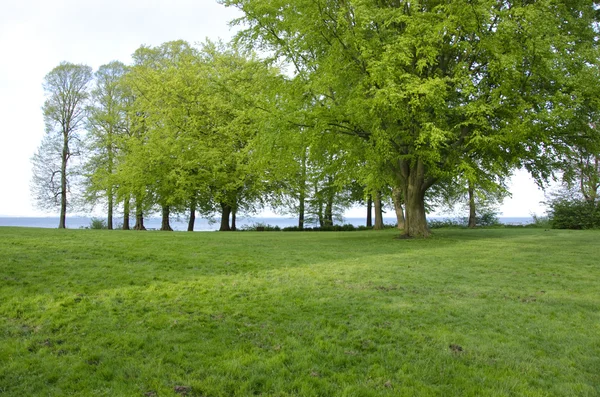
<point x="493" y="312"/>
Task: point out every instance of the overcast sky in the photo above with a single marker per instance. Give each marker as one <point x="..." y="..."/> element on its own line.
<point x="36" y="35"/>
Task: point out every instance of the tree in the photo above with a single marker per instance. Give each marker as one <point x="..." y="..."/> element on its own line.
<point x="66" y="88"/>
<point x="107" y="124"/>
<point x="429" y="85"/>
<point x="195" y="114"/>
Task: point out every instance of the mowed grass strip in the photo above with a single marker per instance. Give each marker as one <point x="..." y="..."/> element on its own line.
<point x="492" y="312"/>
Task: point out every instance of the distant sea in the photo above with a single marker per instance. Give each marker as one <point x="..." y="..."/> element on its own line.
<point x="201" y="225"/>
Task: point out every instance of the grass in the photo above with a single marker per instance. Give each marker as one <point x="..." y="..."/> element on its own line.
<point x="492" y="312"/>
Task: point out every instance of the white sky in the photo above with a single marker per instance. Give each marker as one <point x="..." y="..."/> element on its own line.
<point x="36" y="35"/>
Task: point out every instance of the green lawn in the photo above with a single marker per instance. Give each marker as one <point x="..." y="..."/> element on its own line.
<point x="493" y="312"/>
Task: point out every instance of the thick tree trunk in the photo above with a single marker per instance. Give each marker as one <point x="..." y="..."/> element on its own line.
<point x="233" y="220"/>
<point x="126" y="211"/>
<point x="192" y="219"/>
<point x="225" y="212"/>
<point x="165" y="225"/>
<point x="472" y="214"/>
<point x="109" y="222"/>
<point x="413" y="184"/>
<point x="62" y="223"/>
<point x="370" y="211"/>
<point x="139" y="216"/>
<point x="397" y="198"/>
<point x="378" y="212"/>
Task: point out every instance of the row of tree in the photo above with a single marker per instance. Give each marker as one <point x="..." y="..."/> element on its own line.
<point x="417" y="103"/>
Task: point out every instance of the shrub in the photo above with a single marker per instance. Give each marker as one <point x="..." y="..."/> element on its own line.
<point x="260" y="227"/>
<point x="541" y="221"/>
<point x="97" y="223"/>
<point x="487" y="218"/>
<point x="329" y="228"/>
<point x="447" y="222"/>
<point x="568" y="213"/>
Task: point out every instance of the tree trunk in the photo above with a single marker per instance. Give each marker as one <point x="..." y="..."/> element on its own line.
<point x="233" y="220"/>
<point x="413" y="184"/>
<point x="192" y="220"/>
<point x="397" y="198"/>
<point x="165" y="226"/>
<point x="328" y="216"/>
<point x="126" y="211"/>
<point x="62" y="223"/>
<point x="225" y="212"/>
<point x="301" y="210"/>
<point x="472" y="214"/>
<point x="378" y="212"/>
<point x="109" y="222"/>
<point x="369" y="211"/>
<point x="302" y="198"/>
<point x="139" y="215"/>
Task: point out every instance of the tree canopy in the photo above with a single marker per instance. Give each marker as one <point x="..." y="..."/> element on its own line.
<point x="433" y="85"/>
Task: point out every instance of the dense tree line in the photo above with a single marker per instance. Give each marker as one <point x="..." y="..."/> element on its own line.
<point x="410" y="103"/>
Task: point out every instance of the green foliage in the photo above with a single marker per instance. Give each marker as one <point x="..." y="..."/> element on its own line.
<point x="484" y="312"/>
<point x="485" y="217"/>
<point x="541" y="221"/>
<point x="260" y="227"/>
<point x="431" y="90"/>
<point x="568" y="213"/>
<point x="64" y="110"/>
<point x="98" y="224"/>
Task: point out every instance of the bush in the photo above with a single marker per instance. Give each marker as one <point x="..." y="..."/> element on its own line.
<point x="574" y="214"/>
<point x="442" y="223"/>
<point x="329" y="228"/>
<point x="97" y="223"/>
<point x="487" y="218"/>
<point x="541" y="221"/>
<point x="260" y="227"/>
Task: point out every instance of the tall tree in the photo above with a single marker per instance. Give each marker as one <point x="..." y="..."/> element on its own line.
<point x="107" y="124"/>
<point x="66" y="89"/>
<point x="425" y="83"/>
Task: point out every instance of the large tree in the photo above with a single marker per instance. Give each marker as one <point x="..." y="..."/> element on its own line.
<point x="66" y="88"/>
<point x="107" y="125"/>
<point x="432" y="84"/>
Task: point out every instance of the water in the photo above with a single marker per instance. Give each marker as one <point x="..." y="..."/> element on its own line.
<point x="202" y="225"/>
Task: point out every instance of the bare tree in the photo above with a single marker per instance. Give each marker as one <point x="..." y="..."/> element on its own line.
<point x="66" y="88"/>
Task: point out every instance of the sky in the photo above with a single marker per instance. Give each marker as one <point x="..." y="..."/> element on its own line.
<point x="37" y="35"/>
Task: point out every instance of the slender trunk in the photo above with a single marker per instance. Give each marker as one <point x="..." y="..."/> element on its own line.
<point x="413" y="184"/>
<point x="321" y="217"/>
<point x="110" y="210"/>
<point x="302" y="206"/>
<point x="329" y="211"/>
<point x="139" y="215"/>
<point x="233" y="220"/>
<point x="192" y="220"/>
<point x="225" y="212"/>
<point x="397" y="198"/>
<point x="301" y="210"/>
<point x="110" y="191"/>
<point x="378" y="212"/>
<point x="126" y="211"/>
<point x="63" y="182"/>
<point x="472" y="215"/>
<point x="370" y="211"/>
<point x="165" y="225"/>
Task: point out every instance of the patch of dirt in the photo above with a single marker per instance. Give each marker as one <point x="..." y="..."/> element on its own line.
<point x="456" y="348"/>
<point x="183" y="390"/>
